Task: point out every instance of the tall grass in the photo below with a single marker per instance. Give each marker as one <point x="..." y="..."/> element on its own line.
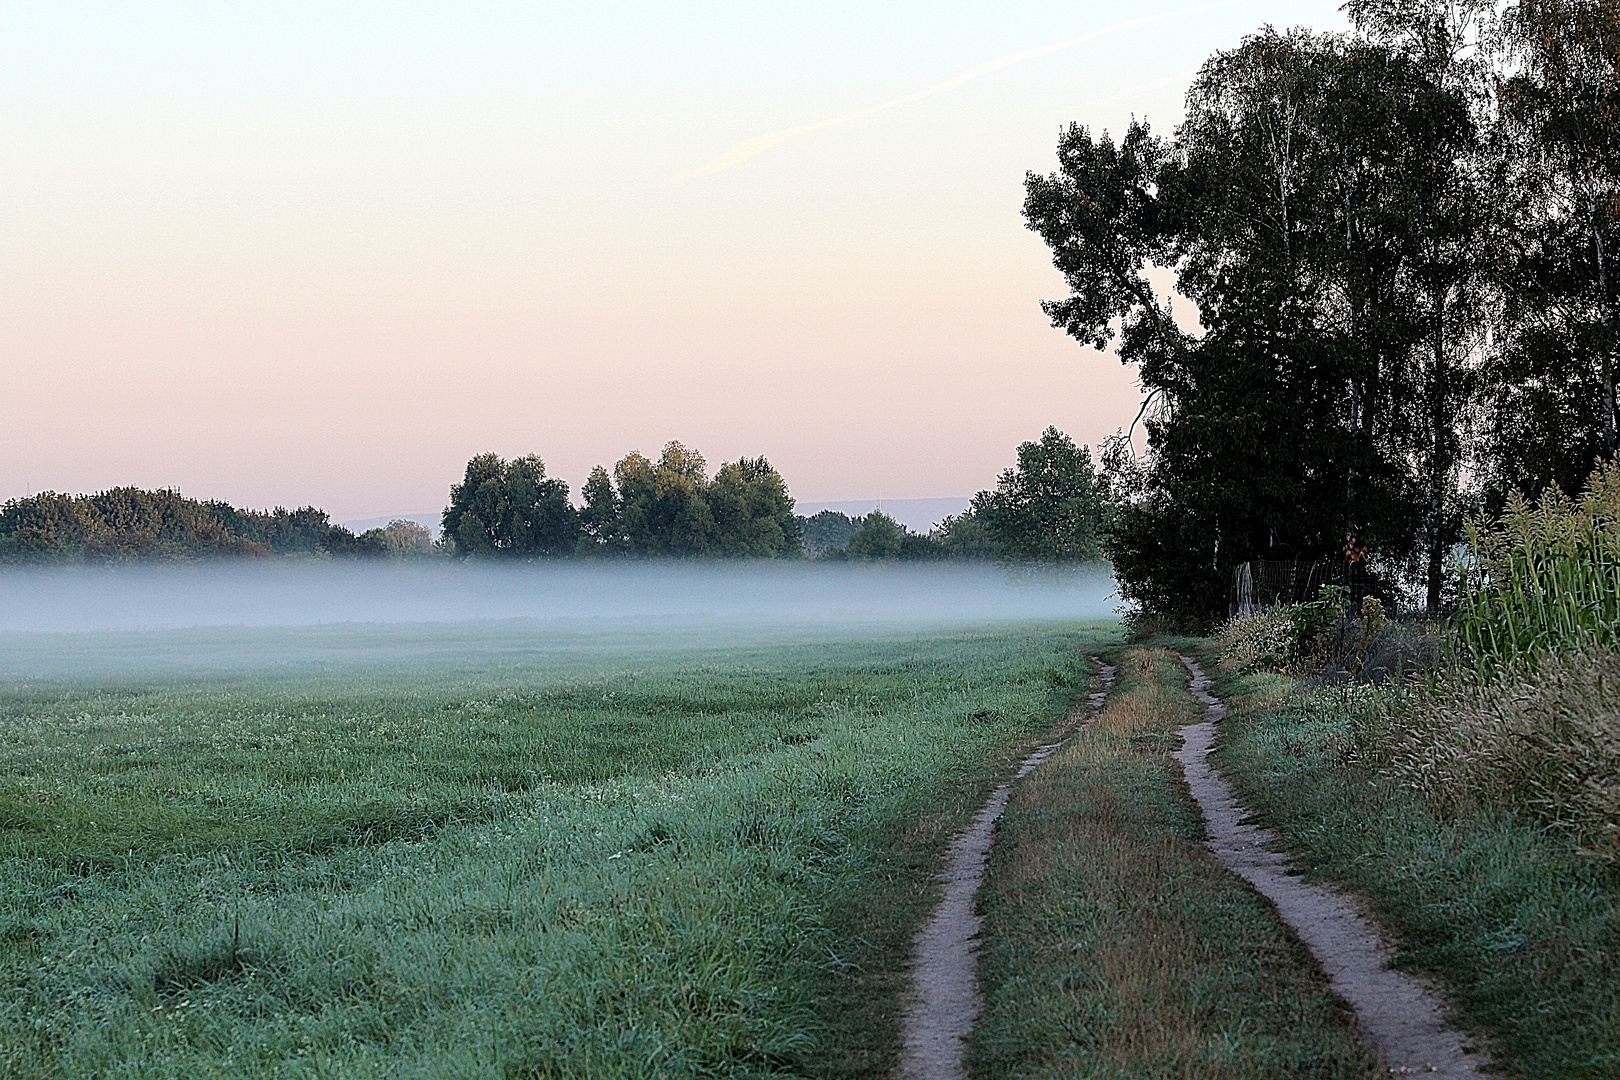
<point x="1545" y="577"/>
<point x="1523" y="932"/>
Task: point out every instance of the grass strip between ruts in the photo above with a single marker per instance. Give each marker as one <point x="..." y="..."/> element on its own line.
<point x="1522" y="933"/>
<point x="1116" y="946"/>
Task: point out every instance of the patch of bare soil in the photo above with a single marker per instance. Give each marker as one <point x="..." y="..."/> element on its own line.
<point x="1400" y="1019"/>
<point x="944" y="1002"/>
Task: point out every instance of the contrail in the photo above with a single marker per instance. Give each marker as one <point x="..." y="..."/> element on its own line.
<point x="761" y="143"/>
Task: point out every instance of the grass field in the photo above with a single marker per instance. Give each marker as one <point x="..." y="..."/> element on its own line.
<point x="1522" y="932"/>
<point x="591" y="861"/>
<point x="1116" y="947"/>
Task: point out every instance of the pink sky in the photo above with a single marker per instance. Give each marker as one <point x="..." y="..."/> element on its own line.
<point x="287" y="256"/>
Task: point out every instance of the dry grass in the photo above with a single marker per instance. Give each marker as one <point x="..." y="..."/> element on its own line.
<point x="1116" y="946"/>
<point x="1547" y="739"/>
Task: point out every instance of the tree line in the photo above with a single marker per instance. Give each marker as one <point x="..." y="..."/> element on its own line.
<point x="128" y="523"/>
<point x="1398" y="244"/>
<point x="1046" y="508"/>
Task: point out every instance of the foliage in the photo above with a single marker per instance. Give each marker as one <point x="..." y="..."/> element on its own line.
<point x="644" y="508"/>
<point x="1397" y="244"/>
<point x="1264" y="640"/>
<point x="1544" y="577"/>
<point x="879" y="536"/>
<point x="1546" y="740"/>
<point x="510" y="509"/>
<point x="964" y="536"/>
<point x="1554" y="378"/>
<point x="826" y="532"/>
<point x="1048" y="508"/>
<point x="130" y="523"/>
<point x="404" y="539"/>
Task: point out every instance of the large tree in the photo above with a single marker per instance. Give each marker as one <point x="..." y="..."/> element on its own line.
<point x="510" y="509"/>
<point x="1047" y="508"/>
<point x="1554" y="382"/>
<point x="1271" y="428"/>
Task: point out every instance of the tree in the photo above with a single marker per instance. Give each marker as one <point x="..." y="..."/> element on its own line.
<point x="1553" y="383"/>
<point x="878" y="536"/>
<point x="1444" y="179"/>
<point x="753" y="512"/>
<point x="403" y="538"/>
<point x="599" y="520"/>
<point x="663" y="506"/>
<point x="1321" y="207"/>
<point x="964" y="536"/>
<point x="1047" y="508"/>
<point x="510" y="510"/>
<point x="826" y="532"/>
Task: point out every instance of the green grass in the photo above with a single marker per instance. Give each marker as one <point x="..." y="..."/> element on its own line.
<point x="1523" y="934"/>
<point x="1116" y="946"/>
<point x="583" y="864"/>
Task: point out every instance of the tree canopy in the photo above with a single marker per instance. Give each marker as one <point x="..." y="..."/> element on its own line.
<point x="1047" y="508"/>
<point x="669" y="508"/>
<point x="1394" y="242"/>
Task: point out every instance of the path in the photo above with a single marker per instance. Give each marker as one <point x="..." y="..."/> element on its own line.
<point x="1400" y="1019"/>
<point x="944" y="1001"/>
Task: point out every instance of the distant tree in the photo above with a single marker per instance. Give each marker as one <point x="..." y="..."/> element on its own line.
<point x="342" y="543"/>
<point x="1048" y="508"/>
<point x="404" y="539"/>
<point x="753" y="512"/>
<point x="599" y="520"/>
<point x="878" y="536"/>
<point x="510" y="510"/>
<point x="827" y="532"/>
<point x="663" y="506"/>
<point x="964" y="536"/>
<point x="132" y="523"/>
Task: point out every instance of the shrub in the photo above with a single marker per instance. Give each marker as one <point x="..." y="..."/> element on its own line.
<point x="1264" y="639"/>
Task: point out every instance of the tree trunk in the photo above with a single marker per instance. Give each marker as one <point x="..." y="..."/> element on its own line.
<point x="1439" y="458"/>
<point x="1605" y="346"/>
<point x="1439" y="455"/>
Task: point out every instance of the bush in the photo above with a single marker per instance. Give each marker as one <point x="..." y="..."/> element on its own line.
<point x="1264" y="639"/>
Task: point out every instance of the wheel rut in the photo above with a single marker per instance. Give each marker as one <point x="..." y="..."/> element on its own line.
<point x="944" y="1001"/>
<point x="1399" y="1018"/>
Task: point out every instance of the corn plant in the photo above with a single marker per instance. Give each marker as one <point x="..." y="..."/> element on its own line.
<point x="1545" y="578"/>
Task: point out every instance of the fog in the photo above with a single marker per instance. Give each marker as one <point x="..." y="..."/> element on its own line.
<point x="242" y="616"/>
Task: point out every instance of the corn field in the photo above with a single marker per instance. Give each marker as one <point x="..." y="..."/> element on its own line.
<point x="1546" y="578"/>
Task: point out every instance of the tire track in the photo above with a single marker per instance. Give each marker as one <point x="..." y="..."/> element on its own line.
<point x="1400" y="1018"/>
<point x="944" y="1001"/>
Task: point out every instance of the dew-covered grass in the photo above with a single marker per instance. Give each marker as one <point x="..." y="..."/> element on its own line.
<point x="584" y="862"/>
<point x="1518" y="927"/>
<point x="1116" y="946"/>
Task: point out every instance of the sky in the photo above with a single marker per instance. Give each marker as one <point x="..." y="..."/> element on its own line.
<point x="322" y="253"/>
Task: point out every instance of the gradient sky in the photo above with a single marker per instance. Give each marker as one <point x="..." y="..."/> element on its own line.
<point x="291" y="253"/>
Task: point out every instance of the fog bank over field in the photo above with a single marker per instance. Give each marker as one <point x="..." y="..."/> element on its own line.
<point x="158" y="622"/>
<point x="285" y="594"/>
